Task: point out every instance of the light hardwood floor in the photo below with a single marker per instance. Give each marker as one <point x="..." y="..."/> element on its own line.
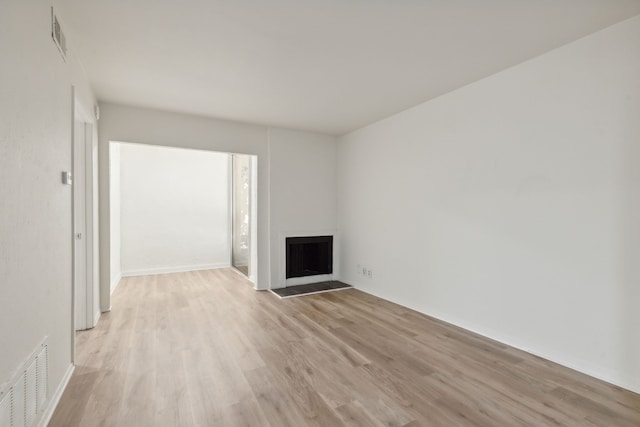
<point x="205" y="349"/>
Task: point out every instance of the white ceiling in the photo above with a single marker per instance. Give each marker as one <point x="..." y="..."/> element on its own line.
<point x="325" y="65"/>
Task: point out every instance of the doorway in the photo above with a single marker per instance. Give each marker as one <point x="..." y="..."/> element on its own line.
<point x="173" y="210"/>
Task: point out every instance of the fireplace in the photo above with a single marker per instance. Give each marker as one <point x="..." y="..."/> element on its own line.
<point x="309" y="256"/>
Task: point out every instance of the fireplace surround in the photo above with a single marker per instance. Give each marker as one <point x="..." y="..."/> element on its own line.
<point x="286" y="276"/>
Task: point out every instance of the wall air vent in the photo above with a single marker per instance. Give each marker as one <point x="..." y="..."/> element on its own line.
<point x="24" y="399"/>
<point x="58" y="35"/>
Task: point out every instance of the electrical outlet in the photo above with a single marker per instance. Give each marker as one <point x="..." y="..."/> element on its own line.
<point x="369" y="274"/>
<point x="364" y="271"/>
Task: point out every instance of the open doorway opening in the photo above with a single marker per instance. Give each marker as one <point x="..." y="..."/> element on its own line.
<point x="172" y="210"/>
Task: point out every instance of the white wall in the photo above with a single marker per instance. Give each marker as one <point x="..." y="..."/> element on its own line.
<point x="303" y="189"/>
<point x="174" y="209"/>
<point x="35" y="208"/>
<point x="511" y="207"/>
<point x="115" y="215"/>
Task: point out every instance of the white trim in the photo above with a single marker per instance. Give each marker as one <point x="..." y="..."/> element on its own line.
<point x="283" y="282"/>
<point x="311" y="293"/>
<point x="176" y="269"/>
<point x="253" y="219"/>
<point x="91" y="223"/>
<point x="230" y="206"/>
<point x="85" y="139"/>
<point x="495" y="337"/>
<point x="114" y="283"/>
<point x="55" y="399"/>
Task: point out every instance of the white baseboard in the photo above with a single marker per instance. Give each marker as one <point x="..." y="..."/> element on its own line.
<point x="115" y="282"/>
<point x="496" y="337"/>
<point x="55" y="399"/>
<point x="176" y="269"/>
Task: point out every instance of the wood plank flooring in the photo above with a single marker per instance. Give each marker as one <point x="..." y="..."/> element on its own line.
<point x="205" y="349"/>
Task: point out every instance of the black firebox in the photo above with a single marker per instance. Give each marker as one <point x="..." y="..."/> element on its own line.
<point x="309" y="256"/>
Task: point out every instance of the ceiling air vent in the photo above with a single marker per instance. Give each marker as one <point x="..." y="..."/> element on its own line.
<point x="58" y="35"/>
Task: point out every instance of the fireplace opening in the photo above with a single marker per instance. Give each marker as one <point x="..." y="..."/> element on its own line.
<point x="309" y="256"/>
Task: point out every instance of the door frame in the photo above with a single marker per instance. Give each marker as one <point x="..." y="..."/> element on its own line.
<point x="90" y="232"/>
